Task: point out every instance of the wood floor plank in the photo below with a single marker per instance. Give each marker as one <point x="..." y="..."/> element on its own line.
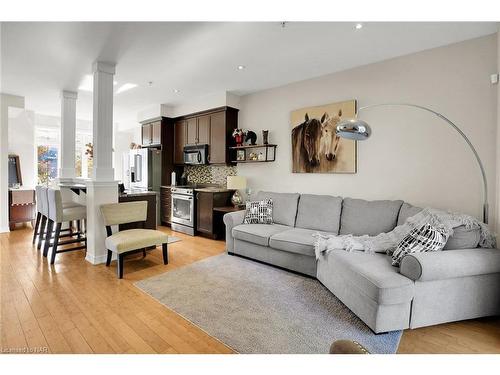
<point x="76" y="307"/>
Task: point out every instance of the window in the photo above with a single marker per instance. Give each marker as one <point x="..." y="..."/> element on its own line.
<point x="47" y="145"/>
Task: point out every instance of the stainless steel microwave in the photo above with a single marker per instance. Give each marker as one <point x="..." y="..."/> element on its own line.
<point x="196" y="154"/>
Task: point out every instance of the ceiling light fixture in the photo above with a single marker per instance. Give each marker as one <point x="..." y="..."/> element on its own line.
<point x="241" y="67"/>
<point x="359" y="26"/>
<point x="125" y="87"/>
<point x="176" y="91"/>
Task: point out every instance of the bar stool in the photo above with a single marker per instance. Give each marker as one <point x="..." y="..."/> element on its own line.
<point x="42" y="206"/>
<point x="58" y="215"/>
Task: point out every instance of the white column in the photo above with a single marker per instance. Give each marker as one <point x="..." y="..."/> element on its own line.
<point x="68" y="136"/>
<point x="103" y="122"/>
<point x="102" y="188"/>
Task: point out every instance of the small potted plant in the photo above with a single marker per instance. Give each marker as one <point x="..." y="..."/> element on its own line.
<point x="238" y="136"/>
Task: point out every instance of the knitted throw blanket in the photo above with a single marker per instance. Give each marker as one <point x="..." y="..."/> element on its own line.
<point x="387" y="242"/>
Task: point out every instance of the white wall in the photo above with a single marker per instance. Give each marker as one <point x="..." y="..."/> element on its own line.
<point x="22" y="143"/>
<point x="411" y="155"/>
<point x="122" y="140"/>
<point x="6" y="101"/>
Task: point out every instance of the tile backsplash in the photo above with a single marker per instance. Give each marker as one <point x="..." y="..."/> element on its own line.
<point x="209" y="174"/>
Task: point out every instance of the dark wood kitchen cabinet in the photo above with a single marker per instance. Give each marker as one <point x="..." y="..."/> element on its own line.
<point x="192" y="131"/>
<point x="213" y="127"/>
<point x="180" y="140"/>
<point x="151" y="133"/>
<point x="205" y="203"/>
<point x="218" y="142"/>
<point x="165" y="205"/>
<point x="204" y="129"/>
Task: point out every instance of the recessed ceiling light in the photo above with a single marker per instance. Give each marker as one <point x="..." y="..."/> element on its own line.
<point x="241" y="67"/>
<point x="176" y="91"/>
<point x="115" y="83"/>
<point x="359" y="26"/>
<point x="125" y="87"/>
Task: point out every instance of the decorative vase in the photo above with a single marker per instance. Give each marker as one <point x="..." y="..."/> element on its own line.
<point x="237" y="199"/>
<point x="265" y="134"/>
<point x="238" y="139"/>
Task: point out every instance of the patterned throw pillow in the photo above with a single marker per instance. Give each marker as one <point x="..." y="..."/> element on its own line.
<point x="259" y="212"/>
<point x="419" y="240"/>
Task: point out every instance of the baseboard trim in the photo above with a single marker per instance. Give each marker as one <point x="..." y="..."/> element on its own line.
<point x="95" y="259"/>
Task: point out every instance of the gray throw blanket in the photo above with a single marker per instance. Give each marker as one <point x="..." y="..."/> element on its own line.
<point x="387" y="242"/>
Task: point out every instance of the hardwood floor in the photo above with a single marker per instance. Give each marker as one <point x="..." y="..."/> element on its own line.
<point x="75" y="307"/>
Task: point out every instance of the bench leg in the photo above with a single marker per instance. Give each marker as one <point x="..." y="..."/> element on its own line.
<point x="119" y="268"/>
<point x="165" y="253"/>
<point x="108" y="259"/>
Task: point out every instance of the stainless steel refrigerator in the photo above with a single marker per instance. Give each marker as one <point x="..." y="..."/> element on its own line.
<point x="142" y="171"/>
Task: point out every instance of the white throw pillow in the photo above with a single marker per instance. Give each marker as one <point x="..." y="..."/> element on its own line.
<point x="422" y="239"/>
<point x="259" y="212"/>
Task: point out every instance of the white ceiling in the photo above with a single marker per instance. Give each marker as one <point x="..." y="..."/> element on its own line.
<point x="198" y="58"/>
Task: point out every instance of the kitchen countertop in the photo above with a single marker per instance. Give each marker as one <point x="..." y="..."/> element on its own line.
<point x="212" y="190"/>
<point x="137" y="193"/>
<point x="206" y="188"/>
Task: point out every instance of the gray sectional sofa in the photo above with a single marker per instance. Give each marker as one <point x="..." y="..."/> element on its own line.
<point x="460" y="282"/>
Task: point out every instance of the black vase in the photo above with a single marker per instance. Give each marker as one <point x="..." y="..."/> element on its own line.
<point x="265" y="134"/>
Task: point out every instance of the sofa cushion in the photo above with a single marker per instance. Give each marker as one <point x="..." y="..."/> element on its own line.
<point x="284" y="206"/>
<point x="257" y="233"/>
<point x="371" y="274"/>
<point x="463" y="238"/>
<point x="319" y="212"/>
<point x="406" y="211"/>
<point x="361" y="217"/>
<point x="296" y="240"/>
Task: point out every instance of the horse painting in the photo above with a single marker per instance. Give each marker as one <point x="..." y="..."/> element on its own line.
<point x="316" y="148"/>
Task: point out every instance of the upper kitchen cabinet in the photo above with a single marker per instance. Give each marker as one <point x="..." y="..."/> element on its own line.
<point x="204" y="129"/>
<point x="151" y="133"/>
<point x="180" y="140"/>
<point x="213" y="127"/>
<point x="192" y="131"/>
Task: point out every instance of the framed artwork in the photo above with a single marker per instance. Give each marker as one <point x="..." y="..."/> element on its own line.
<point x="240" y="155"/>
<point x="315" y="146"/>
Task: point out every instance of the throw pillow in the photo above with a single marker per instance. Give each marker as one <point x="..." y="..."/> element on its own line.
<point x="259" y="212"/>
<point x="422" y="239"/>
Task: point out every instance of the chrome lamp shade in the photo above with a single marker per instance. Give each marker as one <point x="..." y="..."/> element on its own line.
<point x="354" y="129"/>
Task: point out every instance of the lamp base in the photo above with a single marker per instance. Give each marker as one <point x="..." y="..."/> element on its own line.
<point x="237" y="199"/>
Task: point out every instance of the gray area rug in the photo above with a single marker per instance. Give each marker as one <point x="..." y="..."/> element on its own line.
<point x="256" y="308"/>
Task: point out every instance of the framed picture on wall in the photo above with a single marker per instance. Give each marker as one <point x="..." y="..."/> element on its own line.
<point x="241" y="155"/>
<point x="316" y="148"/>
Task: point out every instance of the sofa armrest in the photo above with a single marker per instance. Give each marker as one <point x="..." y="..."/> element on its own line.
<point x="231" y="220"/>
<point x="449" y="264"/>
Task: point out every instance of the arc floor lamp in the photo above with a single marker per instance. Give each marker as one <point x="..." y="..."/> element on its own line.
<point x="359" y="130"/>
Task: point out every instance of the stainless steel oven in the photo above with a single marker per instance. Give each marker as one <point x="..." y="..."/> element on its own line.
<point x="182" y="210"/>
<point x="196" y="154"/>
